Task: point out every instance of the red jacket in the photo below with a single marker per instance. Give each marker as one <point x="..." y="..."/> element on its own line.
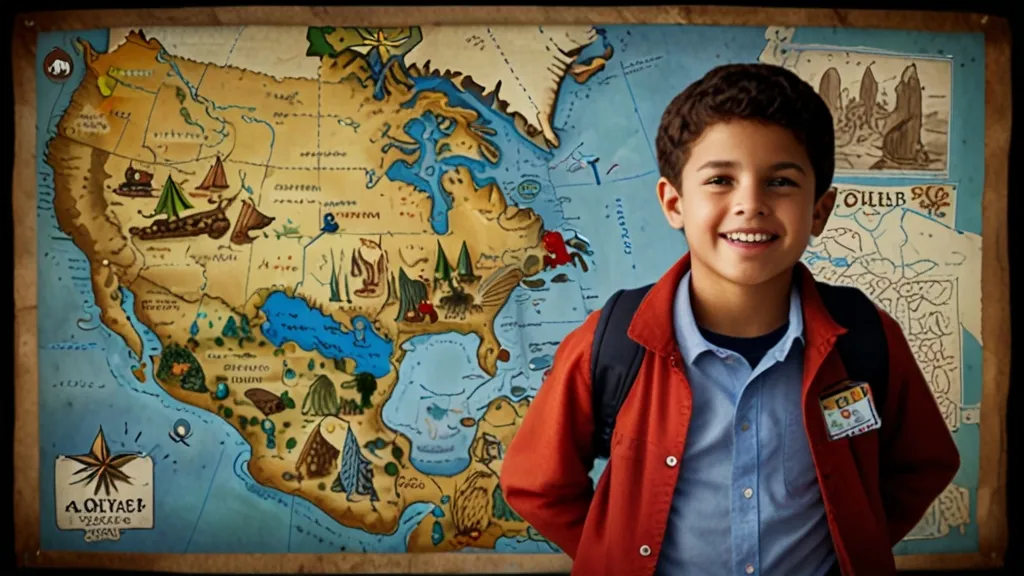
<point x="875" y="486"/>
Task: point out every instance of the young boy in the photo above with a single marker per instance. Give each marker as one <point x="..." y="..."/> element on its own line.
<point x="721" y="461"/>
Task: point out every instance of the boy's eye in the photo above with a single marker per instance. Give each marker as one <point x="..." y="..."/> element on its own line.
<point x="779" y="182"/>
<point x="718" y="181"/>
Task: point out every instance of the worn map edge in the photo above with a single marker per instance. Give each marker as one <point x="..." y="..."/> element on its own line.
<point x="991" y="515"/>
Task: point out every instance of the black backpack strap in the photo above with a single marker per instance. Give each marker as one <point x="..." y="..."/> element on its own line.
<point x="615" y="360"/>
<point x="864" y="349"/>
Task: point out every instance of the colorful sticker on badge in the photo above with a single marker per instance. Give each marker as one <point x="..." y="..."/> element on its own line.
<point x="849" y="410"/>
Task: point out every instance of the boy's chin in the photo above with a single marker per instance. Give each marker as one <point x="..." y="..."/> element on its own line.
<point x="750" y="272"/>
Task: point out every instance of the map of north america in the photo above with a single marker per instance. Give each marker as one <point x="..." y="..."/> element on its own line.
<point x="336" y="262"/>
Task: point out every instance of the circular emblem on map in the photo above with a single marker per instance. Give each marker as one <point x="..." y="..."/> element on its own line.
<point x="58" y="65"/>
<point x="528" y="189"/>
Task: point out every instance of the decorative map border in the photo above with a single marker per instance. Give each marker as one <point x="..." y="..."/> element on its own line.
<point x="991" y="515"/>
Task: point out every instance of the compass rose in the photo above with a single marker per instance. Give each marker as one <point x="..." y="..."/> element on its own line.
<point x="102" y="467"/>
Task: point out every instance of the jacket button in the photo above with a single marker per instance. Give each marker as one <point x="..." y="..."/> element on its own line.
<point x="749" y="569"/>
<point x="645" y="550"/>
<point x="671" y="461"/>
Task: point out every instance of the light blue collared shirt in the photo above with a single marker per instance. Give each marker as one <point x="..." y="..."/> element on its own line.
<point x="747" y="500"/>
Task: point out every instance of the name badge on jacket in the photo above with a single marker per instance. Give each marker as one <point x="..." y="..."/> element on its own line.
<point x="849" y="410"/>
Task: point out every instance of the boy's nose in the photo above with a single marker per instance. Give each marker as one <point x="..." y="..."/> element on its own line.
<point x="751" y="199"/>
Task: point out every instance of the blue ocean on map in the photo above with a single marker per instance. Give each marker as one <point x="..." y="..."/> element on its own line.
<point x="599" y="182"/>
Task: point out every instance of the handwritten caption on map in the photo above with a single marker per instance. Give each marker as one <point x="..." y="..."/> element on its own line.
<point x="104" y="493"/>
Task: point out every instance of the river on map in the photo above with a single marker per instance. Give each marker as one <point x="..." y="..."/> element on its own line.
<point x="204" y="498"/>
<point x="291" y="319"/>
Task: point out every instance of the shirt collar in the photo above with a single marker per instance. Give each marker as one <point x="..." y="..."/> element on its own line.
<point x="692" y="343"/>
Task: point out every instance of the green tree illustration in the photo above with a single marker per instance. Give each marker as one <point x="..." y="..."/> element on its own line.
<point x="365" y="384"/>
<point x="443" y="268"/>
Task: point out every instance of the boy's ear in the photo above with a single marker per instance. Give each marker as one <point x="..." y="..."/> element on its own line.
<point x="671" y="201"/>
<point x="822" y="210"/>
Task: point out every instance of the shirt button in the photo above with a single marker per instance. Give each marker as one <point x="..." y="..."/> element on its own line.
<point x="749" y="569"/>
<point x="747" y="494"/>
<point x="645" y="550"/>
<point x="671" y="461"/>
<point x="745" y="426"/>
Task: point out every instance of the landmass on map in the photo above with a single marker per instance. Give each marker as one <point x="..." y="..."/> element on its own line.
<point x="891" y="113"/>
<point x="899" y="246"/>
<point x="952" y="510"/>
<point x="518" y="69"/>
<point x="286" y="241"/>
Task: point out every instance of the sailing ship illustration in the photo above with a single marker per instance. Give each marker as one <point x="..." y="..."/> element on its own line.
<point x="249" y="219"/>
<point x="171" y="205"/>
<point x="137" y="183"/>
<point x="216" y="178"/>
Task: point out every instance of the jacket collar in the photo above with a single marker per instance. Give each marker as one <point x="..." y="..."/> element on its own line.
<point x="692" y="342"/>
<point x="652" y="325"/>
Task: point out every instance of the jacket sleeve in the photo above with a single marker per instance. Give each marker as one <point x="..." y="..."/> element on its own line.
<point x="545" y="473"/>
<point x="918" y="456"/>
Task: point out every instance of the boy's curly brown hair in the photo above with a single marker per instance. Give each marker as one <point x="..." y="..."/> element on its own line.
<point x="758" y="92"/>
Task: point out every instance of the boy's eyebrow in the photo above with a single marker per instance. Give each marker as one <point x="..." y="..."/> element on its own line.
<point x="722" y="164"/>
<point x="787" y="166"/>
<point x="717" y="164"/>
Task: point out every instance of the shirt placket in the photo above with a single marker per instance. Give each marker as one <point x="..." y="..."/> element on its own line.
<point x="744" y="499"/>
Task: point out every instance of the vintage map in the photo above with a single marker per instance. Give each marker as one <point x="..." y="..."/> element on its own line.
<point x="297" y="286"/>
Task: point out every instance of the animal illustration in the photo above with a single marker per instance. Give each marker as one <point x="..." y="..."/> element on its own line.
<point x="59" y="68"/>
<point x="369" y="262"/>
<point x="426" y="309"/>
<point x="558" y="252"/>
<point x="459" y="304"/>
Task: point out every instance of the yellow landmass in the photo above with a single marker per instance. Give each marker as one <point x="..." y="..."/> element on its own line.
<point x="83" y="214"/>
<point x="469" y="518"/>
<point x="174" y="120"/>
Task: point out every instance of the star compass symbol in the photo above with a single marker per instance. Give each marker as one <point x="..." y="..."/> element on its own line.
<point x="102" y="467"/>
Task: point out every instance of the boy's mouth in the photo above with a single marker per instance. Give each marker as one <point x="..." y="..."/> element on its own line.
<point x="748" y="237"/>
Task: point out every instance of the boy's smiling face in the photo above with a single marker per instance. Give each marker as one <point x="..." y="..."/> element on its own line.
<point x="746" y="201"/>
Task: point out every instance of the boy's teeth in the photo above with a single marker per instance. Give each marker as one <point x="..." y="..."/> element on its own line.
<point x="744" y="237"/>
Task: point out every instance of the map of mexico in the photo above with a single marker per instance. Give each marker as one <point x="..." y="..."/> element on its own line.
<point x="305" y="281"/>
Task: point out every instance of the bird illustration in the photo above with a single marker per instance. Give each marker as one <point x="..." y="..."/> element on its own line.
<point x="330" y="225"/>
